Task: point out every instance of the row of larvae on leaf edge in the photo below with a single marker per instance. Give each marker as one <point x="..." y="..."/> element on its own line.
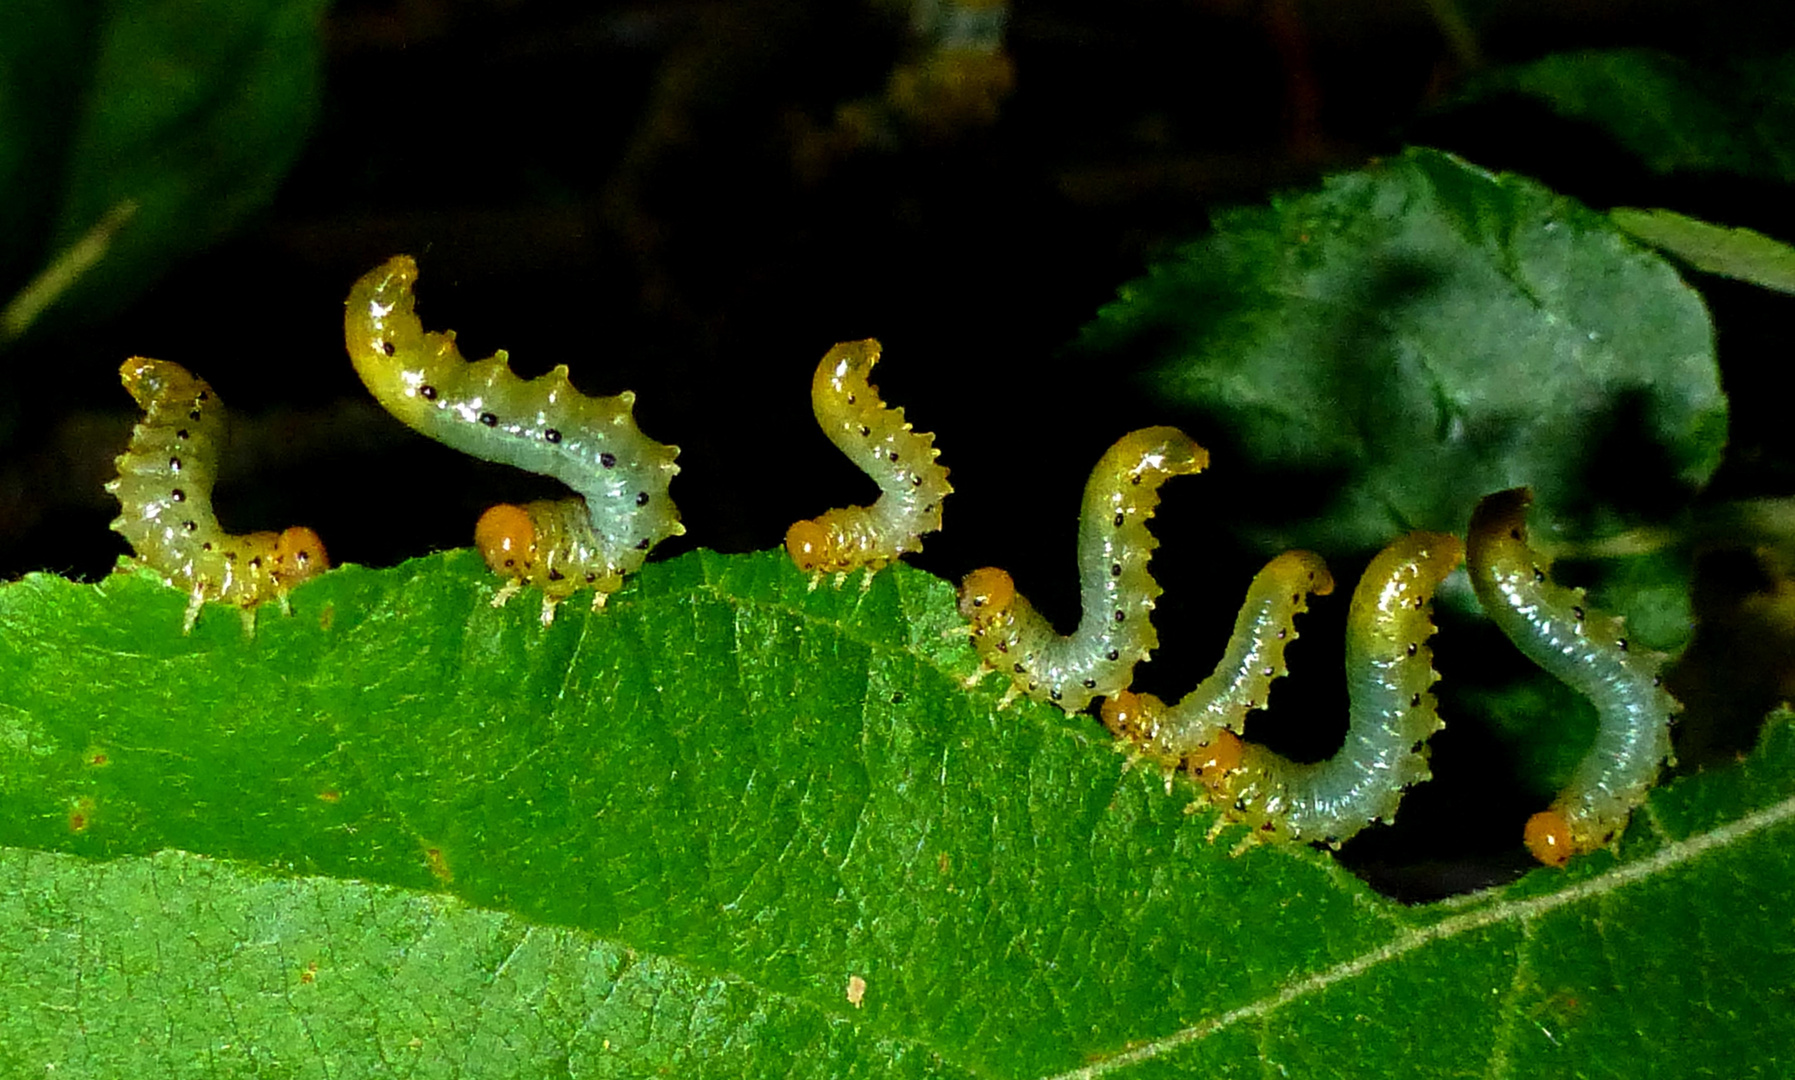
<point x="1391" y="713"/>
<point x="591" y="541"/>
<point x="622" y="510"/>
<point x="592" y="444"/>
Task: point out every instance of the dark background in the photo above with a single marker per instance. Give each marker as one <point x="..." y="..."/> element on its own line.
<point x="649" y="193"/>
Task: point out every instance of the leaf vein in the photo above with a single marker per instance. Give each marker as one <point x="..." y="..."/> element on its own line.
<point x="1520" y="910"/>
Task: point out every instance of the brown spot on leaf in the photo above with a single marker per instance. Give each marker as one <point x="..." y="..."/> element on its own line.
<point x="81" y="814"/>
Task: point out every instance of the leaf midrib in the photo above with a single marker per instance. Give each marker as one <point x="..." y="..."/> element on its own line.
<point x="1522" y="911"/>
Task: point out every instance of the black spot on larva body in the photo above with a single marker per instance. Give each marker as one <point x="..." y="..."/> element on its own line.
<point x="190" y="526"/>
<point x="194" y="415"/>
<point x="183" y="434"/>
<point x="1514" y="534"/>
<point x="1119" y="518"/>
<point x="893" y="456"/>
<point x="1415" y="702"/>
<point x="207" y="546"/>
<point x="1282" y="634"/>
<point x="1090" y="684"/>
<point x="897" y="698"/>
<point x="591" y="576"/>
<point x="1538" y="574"/>
<point x="1114" y="655"/>
<point x="1003" y="646"/>
<point x="178" y="495"/>
<point x="1270" y="673"/>
<point x="489" y="419"/>
<point x="1121" y="616"/>
<point x="388" y="348"/>
<point x="644" y="544"/>
<point x="850" y="399"/>
<point x="1413" y="648"/>
<point x="230" y="556"/>
<point x="556" y="575"/>
<point x="1657" y="680"/>
<point x="1017" y="668"/>
<point x="1115" y="569"/>
<point x="1621" y="644"/>
<point x="641" y="498"/>
<point x="1054" y="694"/>
<point x="1296" y="598"/>
<point x="1135" y="479"/>
<point x="915" y="481"/>
<point x="1577" y="612"/>
<point x="552" y="435"/>
<point x="255" y="563"/>
<point x="204" y="395"/>
<point x="174" y="464"/>
<point x="427" y="392"/>
<point x="865" y="431"/>
<point x="608" y="460"/>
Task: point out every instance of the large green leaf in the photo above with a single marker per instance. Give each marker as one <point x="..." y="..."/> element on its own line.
<point x="669" y="836"/>
<point x="139" y="132"/>
<point x="1413" y="336"/>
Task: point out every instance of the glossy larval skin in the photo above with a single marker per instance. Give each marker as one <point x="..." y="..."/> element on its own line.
<point x="1588" y="649"/>
<point x="164" y="489"/>
<point x="1115" y="630"/>
<point x="877" y="439"/>
<point x="542" y="425"/>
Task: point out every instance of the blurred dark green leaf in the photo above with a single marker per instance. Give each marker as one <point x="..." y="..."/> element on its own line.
<point x="1673" y="115"/>
<point x="46" y="50"/>
<point x="157" y="126"/>
<point x="668" y="835"/>
<point x="1416" y="335"/>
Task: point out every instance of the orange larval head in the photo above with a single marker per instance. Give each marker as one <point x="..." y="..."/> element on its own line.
<point x="985" y="594"/>
<point x="1548" y="837"/>
<point x="506" y="538"/>
<point x="808" y="544"/>
<point x="301" y="554"/>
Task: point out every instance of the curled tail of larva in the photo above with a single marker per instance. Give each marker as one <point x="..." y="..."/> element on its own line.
<point x="543" y="425"/>
<point x="1115" y="631"/>
<point x="164" y="489"/>
<point x="1390" y="673"/>
<point x="1588" y="649"/>
<point x="877" y="439"/>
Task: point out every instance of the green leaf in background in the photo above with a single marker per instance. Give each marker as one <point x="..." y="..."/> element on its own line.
<point x="189" y="113"/>
<point x="1675" y="116"/>
<point x="1735" y="253"/>
<point x="1421" y="333"/>
<point x="732" y="826"/>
